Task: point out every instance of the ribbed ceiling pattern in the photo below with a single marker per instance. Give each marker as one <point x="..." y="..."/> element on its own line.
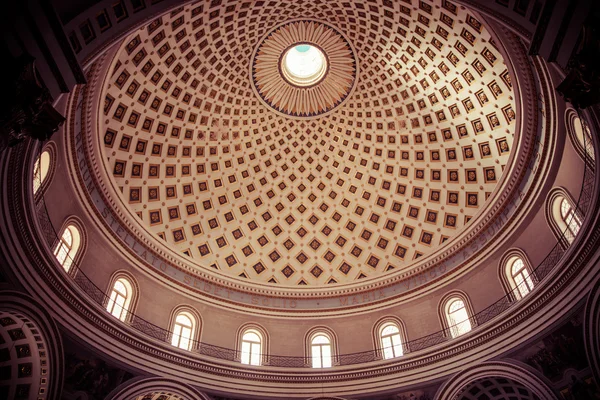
<point x="393" y="172"/>
<point x="496" y="388"/>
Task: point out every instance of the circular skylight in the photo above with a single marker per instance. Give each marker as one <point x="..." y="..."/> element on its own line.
<point x="304" y="65"/>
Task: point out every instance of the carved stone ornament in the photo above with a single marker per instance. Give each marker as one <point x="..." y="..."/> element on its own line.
<point x="581" y="86"/>
<point x="26" y="106"/>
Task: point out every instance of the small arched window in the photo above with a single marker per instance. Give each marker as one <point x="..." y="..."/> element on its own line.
<point x="183" y="330"/>
<point x="67" y="247"/>
<point x="564" y="219"/>
<point x="320" y="350"/>
<point x="251" y="347"/>
<point x="40" y="170"/>
<point x="520" y="277"/>
<point x="570" y="218"/>
<point x="120" y="299"/>
<point x="581" y="135"/>
<point x="457" y="316"/>
<point x="391" y="341"/>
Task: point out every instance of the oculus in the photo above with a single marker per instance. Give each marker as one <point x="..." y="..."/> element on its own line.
<point x="303" y="65"/>
<point x="303" y="69"/>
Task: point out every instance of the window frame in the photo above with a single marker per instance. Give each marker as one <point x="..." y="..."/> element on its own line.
<point x="118" y="299"/>
<point x="377" y="334"/>
<point x="449" y="326"/>
<point x="254" y="357"/>
<point x="507" y="278"/>
<point x="570" y="217"/>
<point x="555" y="216"/>
<point x="333" y="349"/>
<point x="131" y="300"/>
<point x="394" y="347"/>
<point x="75" y="250"/>
<point x="577" y="129"/>
<point x="47" y="173"/>
<point x="179" y="327"/>
<point x="41" y="168"/>
<point x="320" y="347"/>
<point x="196" y="325"/>
<point x="263" y="358"/>
<point x="526" y="282"/>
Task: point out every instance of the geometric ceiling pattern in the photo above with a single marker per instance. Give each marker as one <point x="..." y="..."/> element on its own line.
<point x="387" y="177"/>
<point x="496" y="388"/>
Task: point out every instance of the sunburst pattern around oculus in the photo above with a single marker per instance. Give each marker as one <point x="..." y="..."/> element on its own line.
<point x="315" y="95"/>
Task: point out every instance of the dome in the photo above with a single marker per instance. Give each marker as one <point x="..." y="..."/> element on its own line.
<point x="237" y="200"/>
<point x="214" y="156"/>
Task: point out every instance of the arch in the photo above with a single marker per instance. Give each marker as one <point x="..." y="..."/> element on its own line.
<point x="455" y="387"/>
<point x="123" y="296"/>
<point x="252" y="344"/>
<point x="562" y="215"/>
<point x="516" y="274"/>
<point x="390" y="342"/>
<point x="43" y="170"/>
<point x="140" y="387"/>
<point x="581" y="136"/>
<point x="185" y="325"/>
<point x="456" y="314"/>
<point x="38" y="335"/>
<point x="70" y="245"/>
<point x="321" y="347"/>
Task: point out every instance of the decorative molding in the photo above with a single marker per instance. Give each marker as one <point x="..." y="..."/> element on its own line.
<point x="269" y="80"/>
<point x="591" y="330"/>
<point x="523" y="374"/>
<point x="138" y="387"/>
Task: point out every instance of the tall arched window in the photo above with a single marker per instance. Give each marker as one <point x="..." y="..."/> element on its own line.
<point x="320" y="350"/>
<point x="40" y="170"/>
<point x="521" y="277"/>
<point x="391" y="341"/>
<point x="570" y="217"/>
<point x="251" y="347"/>
<point x="67" y="247"/>
<point x="120" y="299"/>
<point x="183" y="330"/>
<point x="562" y="216"/>
<point x="581" y="136"/>
<point x="516" y="274"/>
<point x="457" y="316"/>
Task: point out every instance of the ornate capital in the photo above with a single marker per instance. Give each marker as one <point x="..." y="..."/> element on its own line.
<point x="27" y="109"/>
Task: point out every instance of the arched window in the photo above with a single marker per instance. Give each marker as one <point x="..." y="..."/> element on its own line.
<point x="67" y="247"/>
<point x="251" y="349"/>
<point x="457" y="316"/>
<point x="521" y="278"/>
<point x="120" y="299"/>
<point x="516" y="274"/>
<point x="562" y="216"/>
<point x="391" y="341"/>
<point x="389" y="337"/>
<point x="320" y="350"/>
<point x="40" y="170"/>
<point x="183" y="330"/>
<point x="581" y="136"/>
<point x="570" y="218"/>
